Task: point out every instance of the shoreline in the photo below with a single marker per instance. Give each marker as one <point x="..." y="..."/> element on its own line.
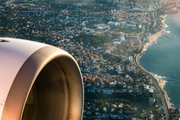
<point x="160" y="81"/>
<point x="162" y="94"/>
<point x="153" y="38"/>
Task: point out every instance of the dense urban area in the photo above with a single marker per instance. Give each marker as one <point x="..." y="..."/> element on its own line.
<point x="106" y="38"/>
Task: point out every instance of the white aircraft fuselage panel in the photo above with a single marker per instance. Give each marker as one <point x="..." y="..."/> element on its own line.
<point x="12" y="57"/>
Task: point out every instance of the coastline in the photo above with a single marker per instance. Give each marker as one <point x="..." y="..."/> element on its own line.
<point x="153" y="38"/>
<point x="158" y="81"/>
<point x="162" y="94"/>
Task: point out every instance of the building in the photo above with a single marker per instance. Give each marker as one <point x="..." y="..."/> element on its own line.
<point x="155" y="95"/>
<point x="122" y="38"/>
<point x="102" y="26"/>
<point x="146" y="87"/>
<point x="112" y="23"/>
<point x="118" y="69"/>
<point x="151" y="101"/>
<point x="130" y="59"/>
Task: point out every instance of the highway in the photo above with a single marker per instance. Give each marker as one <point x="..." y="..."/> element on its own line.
<point x="160" y="91"/>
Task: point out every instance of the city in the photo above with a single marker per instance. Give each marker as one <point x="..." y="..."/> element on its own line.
<point x="107" y="38"/>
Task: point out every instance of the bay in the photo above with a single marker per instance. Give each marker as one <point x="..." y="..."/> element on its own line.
<point x="163" y="58"/>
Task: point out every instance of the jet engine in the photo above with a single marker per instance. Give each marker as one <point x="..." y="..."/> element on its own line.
<point x="38" y="82"/>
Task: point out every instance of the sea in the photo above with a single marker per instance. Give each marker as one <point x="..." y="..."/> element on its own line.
<point x="163" y="58"/>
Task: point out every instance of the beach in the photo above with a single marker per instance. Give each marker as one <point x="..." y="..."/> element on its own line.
<point x="154" y="37"/>
<point x="159" y="82"/>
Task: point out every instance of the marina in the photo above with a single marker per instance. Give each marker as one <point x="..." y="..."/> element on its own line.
<point x="169" y="35"/>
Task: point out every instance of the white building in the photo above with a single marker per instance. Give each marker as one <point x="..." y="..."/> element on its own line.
<point x="151" y="90"/>
<point x="102" y="26"/>
<point x="104" y="109"/>
<point x="131" y="25"/>
<point x="112" y="23"/>
<point x="122" y="38"/>
<point x="107" y="52"/>
<point x="130" y="58"/>
<point x="118" y="69"/>
<point x="116" y="43"/>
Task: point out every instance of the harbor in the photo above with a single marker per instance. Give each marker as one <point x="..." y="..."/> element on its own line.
<point x="169" y="35"/>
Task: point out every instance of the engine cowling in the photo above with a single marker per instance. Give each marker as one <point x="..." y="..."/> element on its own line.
<point x="38" y="82"/>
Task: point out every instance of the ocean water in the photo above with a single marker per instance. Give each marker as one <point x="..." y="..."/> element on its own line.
<point x="163" y="58"/>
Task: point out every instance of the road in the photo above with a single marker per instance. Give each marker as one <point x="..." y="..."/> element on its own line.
<point x="161" y="92"/>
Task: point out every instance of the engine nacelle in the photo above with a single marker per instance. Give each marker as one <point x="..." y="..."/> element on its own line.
<point x="38" y="82"/>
